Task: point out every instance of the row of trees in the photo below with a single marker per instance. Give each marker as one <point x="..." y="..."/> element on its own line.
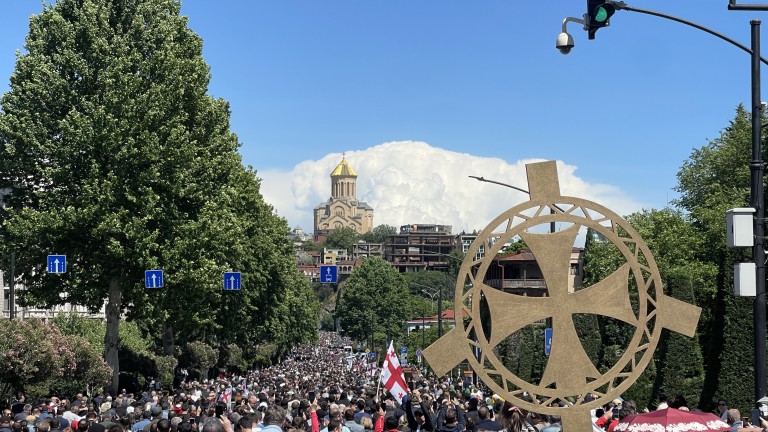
<point x="688" y="243"/>
<point x="113" y="153"/>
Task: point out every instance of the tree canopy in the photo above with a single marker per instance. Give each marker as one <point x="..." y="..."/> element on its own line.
<point x="375" y="299"/>
<point x="688" y="243"/>
<point x="114" y="154"/>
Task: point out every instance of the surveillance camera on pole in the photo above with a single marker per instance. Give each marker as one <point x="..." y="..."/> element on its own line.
<point x="564" y="43"/>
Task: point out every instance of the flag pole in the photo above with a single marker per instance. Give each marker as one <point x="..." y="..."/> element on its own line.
<point x="378" y="381"/>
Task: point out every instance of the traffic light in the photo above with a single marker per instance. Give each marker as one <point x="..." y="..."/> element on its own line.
<point x="598" y="14"/>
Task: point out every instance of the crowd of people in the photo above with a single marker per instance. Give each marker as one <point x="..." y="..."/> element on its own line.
<point x="318" y="388"/>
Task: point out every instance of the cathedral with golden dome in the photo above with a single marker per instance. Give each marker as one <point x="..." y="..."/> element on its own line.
<point x="343" y="209"/>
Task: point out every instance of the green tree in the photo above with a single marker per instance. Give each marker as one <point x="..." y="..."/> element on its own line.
<point x="342" y="238"/>
<point x="523" y="353"/>
<point x="234" y="357"/>
<point x="32" y="352"/>
<point x="601" y="259"/>
<point x="379" y="234"/>
<point x="92" y="330"/>
<point x="454" y="263"/>
<point x="310" y="246"/>
<point x="676" y="245"/>
<point x="374" y="299"/>
<point x="203" y="356"/>
<point x="713" y="179"/>
<point x="425" y="283"/>
<point x="515" y="247"/>
<point x="417" y="339"/>
<point x="91" y="371"/>
<point x="115" y="155"/>
<point x="109" y="144"/>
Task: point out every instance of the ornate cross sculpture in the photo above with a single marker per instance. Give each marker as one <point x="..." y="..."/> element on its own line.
<point x="569" y="371"/>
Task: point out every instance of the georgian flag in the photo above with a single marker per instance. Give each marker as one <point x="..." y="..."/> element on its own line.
<point x="226" y="396"/>
<point x="392" y="377"/>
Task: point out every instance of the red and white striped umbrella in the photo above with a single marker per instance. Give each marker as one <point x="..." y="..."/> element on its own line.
<point x="672" y="420"/>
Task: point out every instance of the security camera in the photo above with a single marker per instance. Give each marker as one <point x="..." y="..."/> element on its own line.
<point x="564" y="43"/>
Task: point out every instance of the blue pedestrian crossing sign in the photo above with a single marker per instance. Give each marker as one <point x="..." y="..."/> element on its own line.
<point x="153" y="279"/>
<point x="57" y="263"/>
<point x="547" y="341"/>
<point x="231" y="281"/>
<point x="329" y="274"/>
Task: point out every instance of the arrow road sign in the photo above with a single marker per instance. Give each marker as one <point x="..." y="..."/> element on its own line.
<point x="328" y="274"/>
<point x="57" y="263"/>
<point x="153" y="279"/>
<point x="231" y="281"/>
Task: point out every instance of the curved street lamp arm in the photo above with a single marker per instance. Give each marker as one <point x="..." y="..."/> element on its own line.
<point x="513" y="187"/>
<point x="500" y="183"/>
<point x="624" y="6"/>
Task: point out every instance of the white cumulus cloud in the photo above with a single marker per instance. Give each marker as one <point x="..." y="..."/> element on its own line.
<point x="408" y="182"/>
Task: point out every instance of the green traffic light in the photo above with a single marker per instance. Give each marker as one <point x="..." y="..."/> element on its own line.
<point x="601" y="14"/>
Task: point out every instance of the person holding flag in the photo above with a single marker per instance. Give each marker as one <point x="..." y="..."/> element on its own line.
<point x="392" y="377"/>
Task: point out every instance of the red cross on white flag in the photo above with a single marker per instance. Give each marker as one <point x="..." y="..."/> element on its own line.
<point x="392" y="377"/>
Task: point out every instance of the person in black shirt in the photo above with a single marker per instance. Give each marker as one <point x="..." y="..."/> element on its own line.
<point x="420" y="419"/>
<point x="485" y="422"/>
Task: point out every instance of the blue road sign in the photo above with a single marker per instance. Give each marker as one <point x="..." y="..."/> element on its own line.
<point x="57" y="263"/>
<point x="231" y="281"/>
<point x="547" y="341"/>
<point x="404" y="350"/>
<point x="328" y="274"/>
<point x="153" y="279"/>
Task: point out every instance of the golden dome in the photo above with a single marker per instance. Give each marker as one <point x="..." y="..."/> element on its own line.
<point x="343" y="169"/>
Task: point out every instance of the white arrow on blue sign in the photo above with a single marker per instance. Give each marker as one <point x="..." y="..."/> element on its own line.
<point x="57" y="263"/>
<point x="153" y="279"/>
<point x="231" y="281"/>
<point x="328" y="274"/>
<point x="547" y="341"/>
<point x="404" y="350"/>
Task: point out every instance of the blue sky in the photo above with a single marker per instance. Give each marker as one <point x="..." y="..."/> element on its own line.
<point x="478" y="85"/>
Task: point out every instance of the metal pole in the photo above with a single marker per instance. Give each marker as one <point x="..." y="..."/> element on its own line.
<point x="423" y="323"/>
<point x="440" y="313"/>
<point x="12" y="288"/>
<point x="758" y="201"/>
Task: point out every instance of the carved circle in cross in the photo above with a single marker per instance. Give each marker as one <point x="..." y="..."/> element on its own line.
<point x="569" y="372"/>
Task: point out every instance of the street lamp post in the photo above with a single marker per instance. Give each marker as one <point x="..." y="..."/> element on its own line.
<point x="757" y="201"/>
<point x="439" y="307"/>
<point x="423" y="323"/>
<point x="12" y="288"/>
<point x="565" y="44"/>
<point x="431" y="300"/>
